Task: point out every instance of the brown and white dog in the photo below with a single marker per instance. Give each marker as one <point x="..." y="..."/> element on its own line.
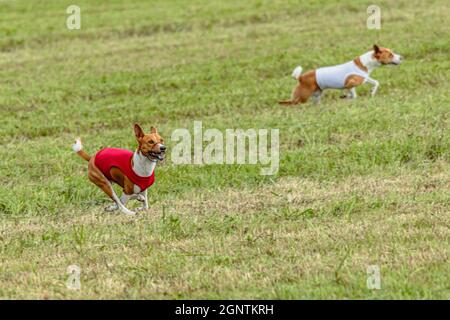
<point x="344" y="76"/>
<point x="134" y="172"/>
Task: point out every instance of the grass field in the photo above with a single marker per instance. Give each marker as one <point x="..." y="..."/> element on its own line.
<point x="364" y="182"/>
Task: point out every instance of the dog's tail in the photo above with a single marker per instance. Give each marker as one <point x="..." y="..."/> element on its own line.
<point x="296" y="75"/>
<point x="297" y="72"/>
<point x="77" y="147"/>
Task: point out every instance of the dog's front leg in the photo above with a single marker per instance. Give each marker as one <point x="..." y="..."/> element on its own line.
<point x="124" y="198"/>
<point x="351" y="94"/>
<point x="375" y="84"/>
<point x="145" y="200"/>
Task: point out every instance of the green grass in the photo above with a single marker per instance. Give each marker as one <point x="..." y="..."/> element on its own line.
<point x="360" y="182"/>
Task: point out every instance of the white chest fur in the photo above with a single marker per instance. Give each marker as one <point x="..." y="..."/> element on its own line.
<point x="142" y="166"/>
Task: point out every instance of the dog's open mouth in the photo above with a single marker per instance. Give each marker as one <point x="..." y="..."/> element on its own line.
<point x="156" y="155"/>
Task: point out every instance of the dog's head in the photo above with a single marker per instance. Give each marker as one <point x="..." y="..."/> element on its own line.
<point x="151" y="145"/>
<point x="386" y="55"/>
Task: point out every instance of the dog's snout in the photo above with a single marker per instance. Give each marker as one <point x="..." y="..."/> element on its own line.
<point x="162" y="148"/>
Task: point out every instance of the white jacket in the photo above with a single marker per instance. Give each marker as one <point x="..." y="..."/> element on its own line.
<point x="334" y="77"/>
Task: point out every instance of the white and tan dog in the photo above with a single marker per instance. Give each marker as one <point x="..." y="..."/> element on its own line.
<point x="344" y="76"/>
<point x="133" y="171"/>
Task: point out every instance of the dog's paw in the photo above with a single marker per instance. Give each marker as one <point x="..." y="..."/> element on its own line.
<point x="111" y="208"/>
<point x="128" y="212"/>
<point x="140" y="198"/>
<point x="140" y="209"/>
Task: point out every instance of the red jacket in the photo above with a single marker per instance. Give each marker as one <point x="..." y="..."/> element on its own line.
<point x="107" y="158"/>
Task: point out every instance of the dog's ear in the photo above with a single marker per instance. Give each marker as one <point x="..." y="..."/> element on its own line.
<point x="138" y="132"/>
<point x="153" y="130"/>
<point x="376" y="49"/>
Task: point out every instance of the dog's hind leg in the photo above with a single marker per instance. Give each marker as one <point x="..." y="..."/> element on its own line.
<point x="119" y="203"/>
<point x="294" y="96"/>
<point x="299" y="95"/>
<point x="97" y="177"/>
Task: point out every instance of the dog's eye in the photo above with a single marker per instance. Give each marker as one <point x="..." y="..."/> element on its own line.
<point x="152" y="142"/>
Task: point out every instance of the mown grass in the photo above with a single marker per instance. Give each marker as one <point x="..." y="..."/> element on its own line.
<point x="360" y="182"/>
